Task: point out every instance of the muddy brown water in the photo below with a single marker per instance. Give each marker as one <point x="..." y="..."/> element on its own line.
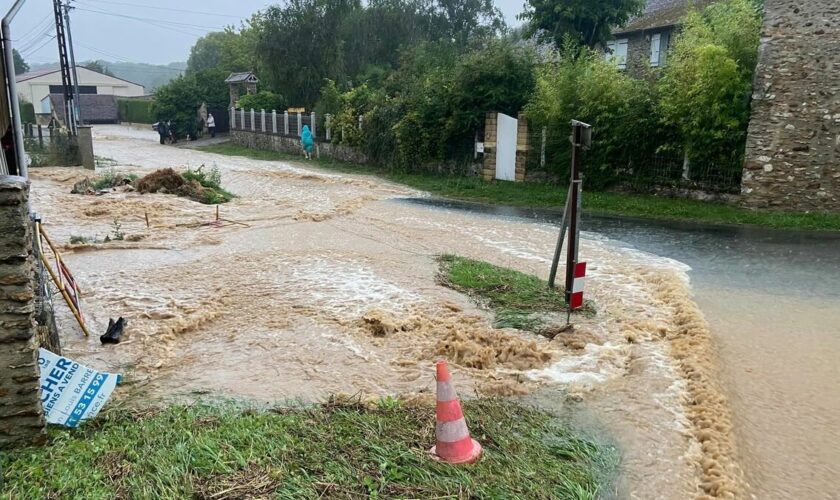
<point x="772" y="300"/>
<point x="291" y="303"/>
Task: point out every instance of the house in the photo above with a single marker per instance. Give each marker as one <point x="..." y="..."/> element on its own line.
<point x="646" y="38"/>
<point x="37" y="86"/>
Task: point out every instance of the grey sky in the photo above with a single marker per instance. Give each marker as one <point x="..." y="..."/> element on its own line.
<point x="152" y="31"/>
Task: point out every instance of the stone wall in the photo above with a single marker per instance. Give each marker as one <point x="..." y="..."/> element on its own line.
<point x="793" y="143"/>
<point x="281" y="144"/>
<point x="21" y="417"/>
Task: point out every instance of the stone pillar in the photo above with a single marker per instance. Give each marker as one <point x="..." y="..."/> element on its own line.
<point x="273" y="121"/>
<point x="488" y="173"/>
<point x="285" y="123"/>
<point x="86" y="147"/>
<point x="21" y="415"/>
<point x="521" y="147"/>
<point x="262" y="120"/>
<point x="792" y="158"/>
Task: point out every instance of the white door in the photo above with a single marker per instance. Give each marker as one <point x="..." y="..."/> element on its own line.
<point x="506" y="127"/>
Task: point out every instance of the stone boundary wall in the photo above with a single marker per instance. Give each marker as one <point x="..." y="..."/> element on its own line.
<point x="793" y="143"/>
<point x="21" y="414"/>
<point x="281" y="144"/>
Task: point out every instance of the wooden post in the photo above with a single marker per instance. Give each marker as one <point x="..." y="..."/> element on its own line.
<point x="147" y="219"/>
<point x="217" y="212"/>
<point x="40" y="136"/>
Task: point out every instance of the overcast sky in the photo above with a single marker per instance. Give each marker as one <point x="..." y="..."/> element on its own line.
<point x="152" y="31"/>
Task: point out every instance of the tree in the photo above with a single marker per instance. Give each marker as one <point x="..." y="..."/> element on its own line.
<point x="706" y="86"/>
<point x="589" y="22"/>
<point x="263" y="99"/>
<point x="20" y="65"/>
<point x="180" y="99"/>
<point x="227" y="50"/>
<point x="99" y="66"/>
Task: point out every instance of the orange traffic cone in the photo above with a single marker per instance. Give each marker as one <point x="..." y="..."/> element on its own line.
<point x="454" y="444"/>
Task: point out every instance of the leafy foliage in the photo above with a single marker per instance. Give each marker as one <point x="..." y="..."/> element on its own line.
<point x="579" y="84"/>
<point x="20" y="65"/>
<point x="226" y="50"/>
<point x="135" y="111"/>
<point x="27" y="111"/>
<point x="263" y="100"/>
<point x="98" y="66"/>
<point x="705" y="89"/>
<point x="180" y="99"/>
<point x="588" y="22"/>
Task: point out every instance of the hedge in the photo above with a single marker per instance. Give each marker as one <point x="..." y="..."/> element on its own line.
<point x="27" y="112"/>
<point x="134" y="111"/>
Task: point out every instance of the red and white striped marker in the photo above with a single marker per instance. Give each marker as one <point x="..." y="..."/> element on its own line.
<point x="454" y="444"/>
<point x="576" y="298"/>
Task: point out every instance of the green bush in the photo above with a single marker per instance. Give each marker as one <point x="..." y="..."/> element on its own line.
<point x="262" y="100"/>
<point x="180" y="99"/>
<point x="579" y="84"/>
<point x="135" y="111"/>
<point x="27" y="111"/>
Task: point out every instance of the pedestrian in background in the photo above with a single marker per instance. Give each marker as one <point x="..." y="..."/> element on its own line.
<point x="211" y="124"/>
<point x="307" y="141"/>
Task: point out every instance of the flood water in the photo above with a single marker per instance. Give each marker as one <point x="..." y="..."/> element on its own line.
<point x="772" y="300"/>
<point x="328" y="283"/>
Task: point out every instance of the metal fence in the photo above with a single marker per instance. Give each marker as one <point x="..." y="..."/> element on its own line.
<point x="284" y="124"/>
<point x="549" y="157"/>
<point x="50" y="146"/>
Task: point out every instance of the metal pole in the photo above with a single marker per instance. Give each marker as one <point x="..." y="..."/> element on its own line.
<point x="552" y="275"/>
<point x="78" y="102"/>
<point x="571" y="257"/>
<point x="20" y="155"/>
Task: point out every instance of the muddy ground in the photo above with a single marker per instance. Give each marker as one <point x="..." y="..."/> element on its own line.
<point x="289" y="303"/>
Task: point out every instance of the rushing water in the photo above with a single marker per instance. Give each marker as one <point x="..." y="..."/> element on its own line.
<point x="327" y="283"/>
<point x="772" y="299"/>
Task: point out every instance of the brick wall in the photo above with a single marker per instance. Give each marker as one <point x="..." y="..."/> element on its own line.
<point x="793" y="143"/>
<point x="21" y="417"/>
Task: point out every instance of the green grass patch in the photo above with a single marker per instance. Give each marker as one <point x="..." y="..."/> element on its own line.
<point x="518" y="300"/>
<point x="550" y="196"/>
<point x="343" y="450"/>
<point x="211" y="180"/>
<point x="111" y="178"/>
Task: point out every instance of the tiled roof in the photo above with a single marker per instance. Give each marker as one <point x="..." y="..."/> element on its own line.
<point x="661" y="14"/>
<point x="95" y="108"/>
<point x="242" y="77"/>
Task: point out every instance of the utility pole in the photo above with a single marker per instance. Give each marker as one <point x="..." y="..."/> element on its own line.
<point x="66" y="80"/>
<point x="77" y="100"/>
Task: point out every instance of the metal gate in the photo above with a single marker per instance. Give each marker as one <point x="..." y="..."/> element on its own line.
<point x="506" y="128"/>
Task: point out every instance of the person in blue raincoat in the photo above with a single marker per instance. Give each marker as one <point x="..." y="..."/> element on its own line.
<point x="307" y="141"/>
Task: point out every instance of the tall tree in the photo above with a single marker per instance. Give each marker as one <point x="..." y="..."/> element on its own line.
<point x="99" y="66"/>
<point x="20" y="65"/>
<point x="589" y="22"/>
<point x="227" y="50"/>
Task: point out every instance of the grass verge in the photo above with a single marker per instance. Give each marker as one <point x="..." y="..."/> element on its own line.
<point x="537" y="195"/>
<point x="343" y="450"/>
<point x="518" y="300"/>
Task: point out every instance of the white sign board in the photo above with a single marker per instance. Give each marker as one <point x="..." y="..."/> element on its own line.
<point x="479" y="147"/>
<point x="506" y="128"/>
<point x="71" y="392"/>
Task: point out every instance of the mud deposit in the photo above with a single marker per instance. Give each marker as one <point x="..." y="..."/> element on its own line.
<point x="330" y="288"/>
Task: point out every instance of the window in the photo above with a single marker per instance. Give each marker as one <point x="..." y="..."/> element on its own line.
<point x="617" y="52"/>
<point x="83" y="89"/>
<point x="658" y="49"/>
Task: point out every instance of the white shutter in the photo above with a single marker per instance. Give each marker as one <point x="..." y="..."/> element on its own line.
<point x="621" y="53"/>
<point x="655" y="48"/>
<point x="610" y="52"/>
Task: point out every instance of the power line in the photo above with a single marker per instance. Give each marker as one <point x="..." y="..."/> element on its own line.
<point x="30" y="52"/>
<point x="151" y="20"/>
<point x="146" y="6"/>
<point x="40" y="25"/>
